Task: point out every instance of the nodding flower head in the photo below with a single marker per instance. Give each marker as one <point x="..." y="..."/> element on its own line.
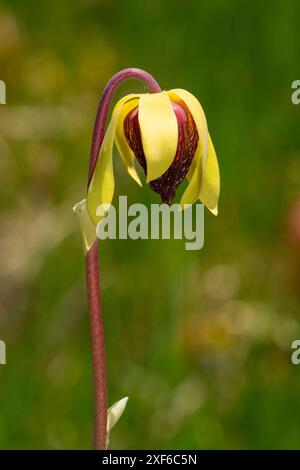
<point x="167" y="134"/>
<point x="187" y="142"/>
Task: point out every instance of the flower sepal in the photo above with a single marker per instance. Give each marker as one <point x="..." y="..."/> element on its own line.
<point x="114" y="413"/>
<point x="87" y="227"/>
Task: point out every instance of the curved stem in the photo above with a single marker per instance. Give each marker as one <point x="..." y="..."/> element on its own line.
<point x="92" y="264"/>
<point x="103" y="109"/>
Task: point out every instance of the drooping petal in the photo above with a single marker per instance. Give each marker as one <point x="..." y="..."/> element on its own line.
<point x="194" y="176"/>
<point x="210" y="189"/>
<point x="198" y="116"/>
<point x="204" y="174"/>
<point x="102" y="185"/>
<point x="200" y="120"/>
<point x="159" y="132"/>
<point x="124" y="150"/>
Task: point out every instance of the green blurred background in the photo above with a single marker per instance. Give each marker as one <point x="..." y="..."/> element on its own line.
<point x="200" y="341"/>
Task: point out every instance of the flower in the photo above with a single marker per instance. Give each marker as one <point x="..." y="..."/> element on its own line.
<point x="167" y="134"/>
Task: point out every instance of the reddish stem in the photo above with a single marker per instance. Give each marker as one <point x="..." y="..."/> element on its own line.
<point x="98" y="346"/>
<point x="92" y="264"/>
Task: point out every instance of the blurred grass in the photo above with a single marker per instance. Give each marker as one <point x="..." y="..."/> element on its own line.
<point x="200" y="341"/>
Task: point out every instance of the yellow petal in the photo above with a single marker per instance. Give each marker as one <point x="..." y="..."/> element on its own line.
<point x="198" y="116"/>
<point x="159" y="132"/>
<point x="102" y="185"/>
<point x="203" y="175"/>
<point x="201" y="124"/>
<point x="210" y="189"/>
<point x="124" y="150"/>
<point x="191" y="193"/>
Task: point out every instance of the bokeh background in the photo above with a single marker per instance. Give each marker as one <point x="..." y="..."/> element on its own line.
<point x="200" y="341"/>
